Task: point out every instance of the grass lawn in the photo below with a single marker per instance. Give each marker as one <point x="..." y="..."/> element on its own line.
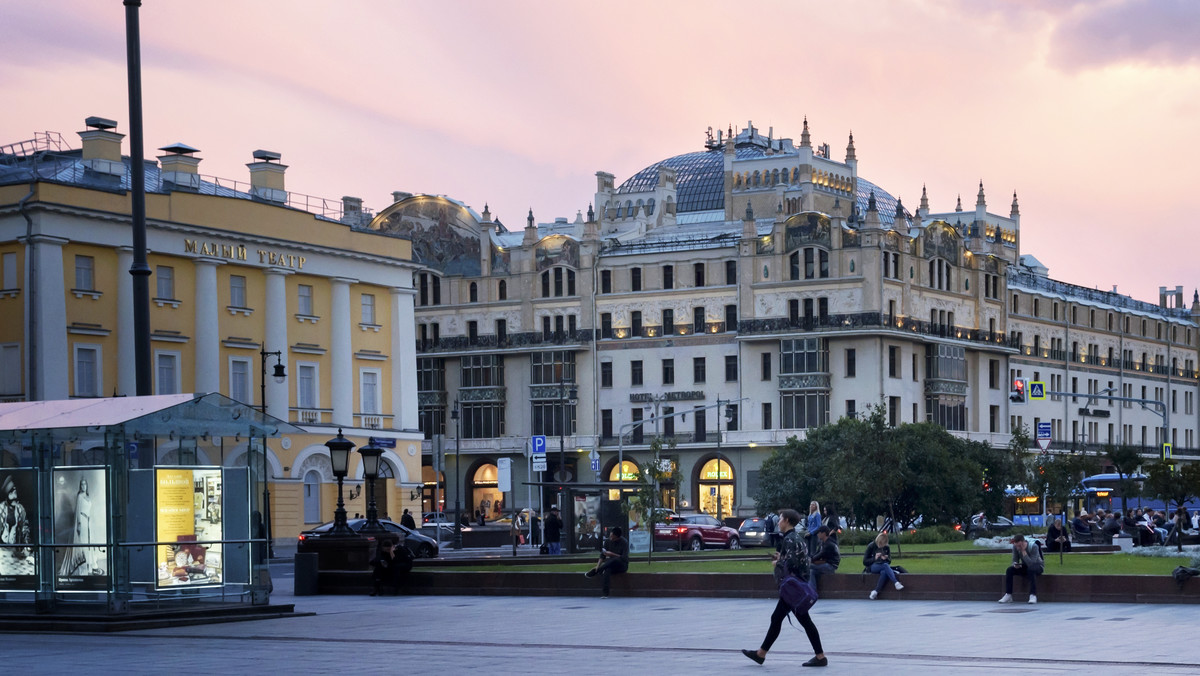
<point x="913" y="560"/>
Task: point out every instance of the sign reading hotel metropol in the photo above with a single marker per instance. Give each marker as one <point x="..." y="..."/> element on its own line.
<point x="239" y="252"/>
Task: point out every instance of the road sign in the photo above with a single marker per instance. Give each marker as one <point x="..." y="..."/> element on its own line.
<point x="539" y="444"/>
<point x="1037" y="390"/>
<point x="596" y="465"/>
<point x="1044" y="431"/>
<point x="1166" y="452"/>
<point x="540" y="465"/>
<point x="504" y="474"/>
<point x="594" y="455"/>
<point x="381" y="442"/>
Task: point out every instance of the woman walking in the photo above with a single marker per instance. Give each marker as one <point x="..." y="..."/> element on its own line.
<point x="791" y="559"/>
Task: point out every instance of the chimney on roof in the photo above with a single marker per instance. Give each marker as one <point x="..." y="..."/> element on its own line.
<point x="352" y="210"/>
<point x="180" y="166"/>
<point x="266" y="176"/>
<point x="400" y="196"/>
<point x="102" y="146"/>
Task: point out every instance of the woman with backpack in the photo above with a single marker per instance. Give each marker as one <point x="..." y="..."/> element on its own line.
<point x="790" y="560"/>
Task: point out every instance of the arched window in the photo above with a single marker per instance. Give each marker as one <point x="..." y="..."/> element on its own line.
<point x="628" y="209"/>
<point x="650" y="207"/>
<point x="794" y="266"/>
<point x="502" y="291"/>
<point x="312" y="496"/>
<point x="715" y="487"/>
<point x="757" y="179"/>
<point x="775" y="177"/>
<point x="474" y="292"/>
<point x="638" y="209"/>
<point x="546" y="284"/>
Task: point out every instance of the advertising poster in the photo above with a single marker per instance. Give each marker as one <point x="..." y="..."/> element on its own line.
<point x="18" y="530"/>
<point x="81" y="529"/>
<point x="189" y="524"/>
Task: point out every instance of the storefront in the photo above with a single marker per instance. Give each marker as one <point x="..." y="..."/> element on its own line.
<point x="486" y="497"/>
<point x="626" y="471"/>
<point x="714" y="483"/>
<point x="75" y="471"/>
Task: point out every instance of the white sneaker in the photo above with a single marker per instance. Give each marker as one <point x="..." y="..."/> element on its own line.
<point x="874" y="594"/>
<point x="1007" y="598"/>
<point x="899" y="586"/>
<point x="1032" y="599"/>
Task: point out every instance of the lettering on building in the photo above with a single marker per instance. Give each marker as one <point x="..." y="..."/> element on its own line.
<point x="238" y="252"/>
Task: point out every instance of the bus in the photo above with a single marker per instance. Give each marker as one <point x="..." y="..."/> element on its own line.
<point x="1103" y="491"/>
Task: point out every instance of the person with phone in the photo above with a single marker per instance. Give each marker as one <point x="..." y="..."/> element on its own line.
<point x="1026" y="561"/>
<point x="614" y="559"/>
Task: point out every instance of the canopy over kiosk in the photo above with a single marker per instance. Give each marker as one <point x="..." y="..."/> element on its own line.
<point x="127" y="503"/>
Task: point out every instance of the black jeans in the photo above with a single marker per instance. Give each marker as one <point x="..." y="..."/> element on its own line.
<point x="608" y="568"/>
<point x="1026" y="572"/>
<point x="781" y="612"/>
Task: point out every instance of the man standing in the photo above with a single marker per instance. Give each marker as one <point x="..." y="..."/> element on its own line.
<point x="406" y="520"/>
<point x="827" y="557"/>
<point x="553" y="532"/>
<point x="1027" y="561"/>
<point x="614" y="558"/>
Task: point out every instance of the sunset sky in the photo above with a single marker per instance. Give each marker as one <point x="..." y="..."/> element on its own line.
<point x="1089" y="110"/>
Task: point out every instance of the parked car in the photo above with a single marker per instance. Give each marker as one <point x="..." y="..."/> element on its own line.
<point x="753" y="531"/>
<point x="697" y="531"/>
<point x="421" y="546"/>
<point x="434" y="517"/>
<point x="981" y="523"/>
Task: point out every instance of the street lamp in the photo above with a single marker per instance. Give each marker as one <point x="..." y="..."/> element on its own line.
<point x="457" y="477"/>
<point x="339" y="456"/>
<point x="280" y="374"/>
<point x="564" y="394"/>
<point x="728" y="419"/>
<point x="371" y="455"/>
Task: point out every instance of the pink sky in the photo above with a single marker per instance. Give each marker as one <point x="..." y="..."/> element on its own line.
<point x="1088" y="109"/>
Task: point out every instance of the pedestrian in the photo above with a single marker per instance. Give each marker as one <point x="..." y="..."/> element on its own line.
<point x="535" y="530"/>
<point x="406" y="520"/>
<point x="389" y="565"/>
<point x="553" y="527"/>
<point x="514" y="531"/>
<point x="812" y="523"/>
<point x="1026" y="561"/>
<point x="827" y="558"/>
<point x="769" y="528"/>
<point x="479" y="517"/>
<point x="878" y="558"/>
<point x="614" y="559"/>
<point x="833" y="521"/>
<point x="791" y="559"/>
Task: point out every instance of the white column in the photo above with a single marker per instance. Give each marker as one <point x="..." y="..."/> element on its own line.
<point x="275" y="337"/>
<point x="208" y="341"/>
<point x="341" y="353"/>
<point x="48" y="332"/>
<point x="404" y="360"/>
<point x="126" y="350"/>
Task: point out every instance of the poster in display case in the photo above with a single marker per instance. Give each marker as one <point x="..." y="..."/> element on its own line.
<point x="81" y="529"/>
<point x="189" y="526"/>
<point x="18" y="530"/>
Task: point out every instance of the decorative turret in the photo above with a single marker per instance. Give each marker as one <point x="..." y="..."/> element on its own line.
<point x="980" y="201"/>
<point x="871" y="221"/>
<point x="980" y="206"/>
<point x="1015" y="211"/>
<point x="591" y="229"/>
<point x="837" y="208"/>
<point x="487" y="214"/>
<point x="1196" y="303"/>
<point x="805" y="139"/>
<point x="901" y="218"/>
<point x="851" y="158"/>
<point x="923" y="210"/>
<point x="531" y="234"/>
<point x="749" y="229"/>
<point x="591" y="214"/>
<point x="958" y="207"/>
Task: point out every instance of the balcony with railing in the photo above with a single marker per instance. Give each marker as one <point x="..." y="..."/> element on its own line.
<point x="870" y="320"/>
<point x="517" y="341"/>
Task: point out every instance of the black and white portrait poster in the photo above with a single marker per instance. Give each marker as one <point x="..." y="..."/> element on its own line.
<point x="18" y="529"/>
<point x="81" y="529"/>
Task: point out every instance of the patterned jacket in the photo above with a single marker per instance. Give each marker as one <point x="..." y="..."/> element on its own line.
<point x="793" y="557"/>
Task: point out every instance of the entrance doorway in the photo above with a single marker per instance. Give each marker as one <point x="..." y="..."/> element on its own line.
<point x="385" y="478"/>
<point x="716" y="488"/>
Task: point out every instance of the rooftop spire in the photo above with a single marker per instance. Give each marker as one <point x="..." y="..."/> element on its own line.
<point x="871" y="202"/>
<point x="850" y="156"/>
<point x="530" y="218"/>
<point x="958" y="207"/>
<point x="591" y="213"/>
<point x="1015" y="211"/>
<point x="805" y="139"/>
<point x="749" y="211"/>
<point x="900" y="216"/>
<point x="487" y="215"/>
<point x="979" y="199"/>
<point x="924" y="198"/>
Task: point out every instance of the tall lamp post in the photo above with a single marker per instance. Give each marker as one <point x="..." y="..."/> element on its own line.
<point x="728" y="415"/>
<point x="279" y="373"/>
<point x="457" y="477"/>
<point x="371" y="455"/>
<point x="564" y="395"/>
<point x="339" y="456"/>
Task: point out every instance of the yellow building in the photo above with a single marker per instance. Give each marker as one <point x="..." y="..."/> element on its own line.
<point x="240" y="270"/>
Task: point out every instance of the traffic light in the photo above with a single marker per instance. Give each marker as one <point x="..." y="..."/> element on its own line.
<point x="1019" y="391"/>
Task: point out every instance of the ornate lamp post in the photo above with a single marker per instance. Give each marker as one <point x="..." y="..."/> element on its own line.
<point x="280" y="374"/>
<point x="339" y="456"/>
<point x="457" y="477"/>
<point x="371" y="455"/>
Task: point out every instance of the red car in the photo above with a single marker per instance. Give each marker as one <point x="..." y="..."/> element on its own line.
<point x="695" y="532"/>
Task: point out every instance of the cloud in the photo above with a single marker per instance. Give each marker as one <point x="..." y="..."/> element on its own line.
<point x="1141" y="32"/>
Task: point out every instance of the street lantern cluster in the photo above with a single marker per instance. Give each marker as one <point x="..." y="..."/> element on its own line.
<point x="339" y="456"/>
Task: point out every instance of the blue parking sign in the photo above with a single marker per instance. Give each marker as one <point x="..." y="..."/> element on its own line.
<point x="539" y="444"/>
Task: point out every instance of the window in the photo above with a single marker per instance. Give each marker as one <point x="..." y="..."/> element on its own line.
<point x="367" y="305"/>
<point x="312" y="496"/>
<point x="668" y="276"/>
<point x="699" y="370"/>
<point x="368" y="381"/>
<point x="239" y="380"/>
<point x="851" y="362"/>
<point x="635" y="320"/>
<point x="546" y="331"/>
<point x="731" y="368"/>
<point x="635" y="373"/>
<point x="893" y="361"/>
<point x="166" y="371"/>
<point x="305" y="299"/>
<point x="668" y="421"/>
<point x="731" y="318"/>
<point x="431" y="374"/>
<point x="472" y="332"/>
<point x="473" y="292"/>
<point x="437" y="289"/>
<point x="801" y="410"/>
<point x="697" y="320"/>
<point x="85" y="267"/>
<point x="87" y="371"/>
<point x="606" y="281"/>
<point x="635" y="279"/>
<point x="549" y="368"/>
<point x="766" y="415"/>
<point x="668" y="322"/>
<point x="668" y="372"/>
<point x="606" y="423"/>
<point x="766" y="366"/>
<point x="731" y="272"/>
<point x="558" y="282"/>
<point x="994" y="374"/>
<point x="485" y="420"/>
<point x="794" y="310"/>
<point x="546" y="284"/>
<point x="237" y="291"/>
<point x="794" y="266"/>
<point x="851" y="408"/>
<point x="502" y="290"/>
<point x="635" y="435"/>
<point x="701" y="426"/>
<point x="606" y="374"/>
<point x="606" y="325"/>
<point x="822" y="263"/>
<point x="164" y="277"/>
<point x="8" y="262"/>
<point x="803" y="355"/>
<point x="10" y="369"/>
<point x="731" y="417"/>
<point x="698" y="274"/>
<point x="306" y="385"/>
<point x="501" y="331"/>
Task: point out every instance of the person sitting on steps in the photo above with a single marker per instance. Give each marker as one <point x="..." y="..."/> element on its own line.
<point x="614" y="558"/>
<point x="1026" y="561"/>
<point x="878" y="558"/>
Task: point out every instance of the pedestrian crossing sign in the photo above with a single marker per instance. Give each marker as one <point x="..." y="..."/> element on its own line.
<point x="1037" y="390"/>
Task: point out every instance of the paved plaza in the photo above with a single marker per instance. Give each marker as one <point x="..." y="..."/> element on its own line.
<point x="520" y="635"/>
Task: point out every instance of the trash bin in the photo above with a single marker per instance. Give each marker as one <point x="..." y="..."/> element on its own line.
<point x="1125" y="542"/>
<point x="306" y="580"/>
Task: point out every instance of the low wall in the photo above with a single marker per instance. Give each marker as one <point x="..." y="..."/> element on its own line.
<point x="1051" y="588"/>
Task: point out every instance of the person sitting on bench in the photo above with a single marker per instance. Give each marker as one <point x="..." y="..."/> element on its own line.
<point x="614" y="559"/>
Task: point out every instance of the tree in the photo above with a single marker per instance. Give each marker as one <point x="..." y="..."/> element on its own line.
<point x="1057" y="476"/>
<point x="1174" y="486"/>
<point x="645" y="499"/>
<point x="1125" y="460"/>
